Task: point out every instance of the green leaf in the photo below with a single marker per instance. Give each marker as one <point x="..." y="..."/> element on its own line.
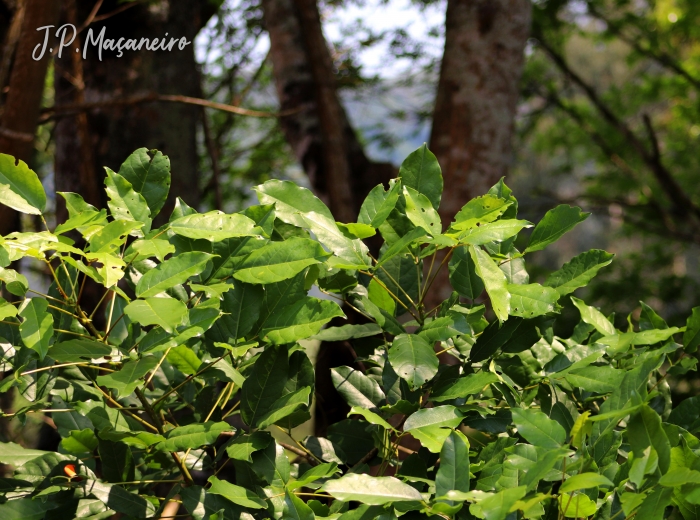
<point x="295" y="403"/>
<point x="112" y="236"/>
<point x="578" y="271"/>
<point x="300" y="320"/>
<point x="493" y="232"/>
<point x="345" y="332"/>
<point x="175" y="271"/>
<point x="644" y="429"/>
<point x="279" y="261"/>
<point x="594" y="317"/>
<point x="497" y="507"/>
<point x="655" y="504"/>
<point x="436" y="417"/>
<point x="16" y="455"/>
<point x="400" y="245"/>
<point x="370" y="490"/>
<point x="7" y="310"/>
<point x="236" y="494"/>
<point x="577" y="506"/>
<point x="462" y="386"/>
<point x="370" y="416"/>
<point x="298" y="206"/>
<point x="542" y="467"/>
<point x="316" y="473"/>
<point x="272" y="465"/>
<point x="111" y="270"/>
<point x="244" y="446"/>
<point x="453" y="473"/>
<point x="463" y="277"/>
<point x="193" y="436"/>
<point x="585" y="481"/>
<point x="680" y="476"/>
<point x="148" y="176"/>
<point x="378" y="204"/>
<point x="76" y="205"/>
<point x="601" y="379"/>
<point x="128" y="378"/>
<point x="20" y="188"/>
<point x="356" y="388"/>
<point x="494" y="281"/>
<point x="241" y="308"/>
<point x="478" y="211"/>
<point x="117" y="461"/>
<point x="538" y="429"/>
<point x="185" y="360"/>
<point x="78" y="349"/>
<point x="213" y="226"/>
<point x="691" y="336"/>
<point x="421" y="212"/>
<point x="125" y="203"/>
<point x="15" y="282"/>
<point x="83" y="221"/>
<point x="353" y="231"/>
<point x="687" y="414"/>
<point x="166" y="312"/>
<point x="413" y="359"/>
<point x="295" y="508"/>
<point x="265" y="384"/>
<point x="142" y="249"/>
<point x="442" y="329"/>
<point x="36" y="328"/>
<point x="531" y="300"/>
<point x="120" y="500"/>
<point x="553" y="225"/>
<point x="24" y="509"/>
<point x="421" y="171"/>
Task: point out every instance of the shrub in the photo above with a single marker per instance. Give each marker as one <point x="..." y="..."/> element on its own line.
<point x="202" y="359"/>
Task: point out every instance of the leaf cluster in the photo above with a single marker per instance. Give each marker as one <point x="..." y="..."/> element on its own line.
<point x="471" y="409"/>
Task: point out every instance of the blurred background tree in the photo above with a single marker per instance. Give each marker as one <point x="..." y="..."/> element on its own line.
<point x="590" y="102"/>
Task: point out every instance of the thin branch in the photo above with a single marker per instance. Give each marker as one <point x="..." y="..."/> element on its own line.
<point x="55" y="111"/>
<point x="662" y="59"/>
<point x="682" y="203"/>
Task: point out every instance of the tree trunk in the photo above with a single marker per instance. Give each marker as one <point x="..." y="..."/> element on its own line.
<point x="476" y="102"/>
<point x="319" y="133"/>
<point x="23" y="101"/>
<point x="115" y="132"/>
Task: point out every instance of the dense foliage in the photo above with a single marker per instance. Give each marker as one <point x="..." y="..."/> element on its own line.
<point x="192" y="389"/>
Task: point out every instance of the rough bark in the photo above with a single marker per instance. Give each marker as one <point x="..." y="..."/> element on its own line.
<point x="26" y="88"/>
<point x="477" y="95"/>
<point x="320" y="133"/>
<point x="117" y="131"/>
<point x="475" y="107"/>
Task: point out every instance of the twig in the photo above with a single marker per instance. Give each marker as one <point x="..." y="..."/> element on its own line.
<point x="683" y="205"/>
<point x="69" y="109"/>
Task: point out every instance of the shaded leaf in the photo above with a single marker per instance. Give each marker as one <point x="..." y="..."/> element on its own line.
<point x="553" y="225"/>
<point x="413" y="359"/>
<point x="538" y="429"/>
<point x="463" y="277"/>
<point x="578" y="271"/>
